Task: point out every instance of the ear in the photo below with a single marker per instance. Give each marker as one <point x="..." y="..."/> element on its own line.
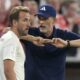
<point x="14" y="23"/>
<point x="54" y="20"/>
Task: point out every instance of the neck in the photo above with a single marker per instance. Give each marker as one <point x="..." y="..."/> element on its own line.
<point x="48" y="33"/>
<point x="15" y="31"/>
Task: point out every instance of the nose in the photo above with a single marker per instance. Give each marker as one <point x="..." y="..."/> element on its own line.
<point x="28" y="23"/>
<point x="41" y="22"/>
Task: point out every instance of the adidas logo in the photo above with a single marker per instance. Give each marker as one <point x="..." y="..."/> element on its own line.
<point x="43" y="9"/>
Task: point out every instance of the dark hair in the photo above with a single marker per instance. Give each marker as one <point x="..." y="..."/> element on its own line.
<point x="14" y="13"/>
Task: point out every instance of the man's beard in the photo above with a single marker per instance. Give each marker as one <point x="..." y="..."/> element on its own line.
<point x="43" y="29"/>
<point x="23" y="32"/>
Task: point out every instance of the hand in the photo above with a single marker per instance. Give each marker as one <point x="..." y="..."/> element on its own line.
<point x="60" y="43"/>
<point x="38" y="41"/>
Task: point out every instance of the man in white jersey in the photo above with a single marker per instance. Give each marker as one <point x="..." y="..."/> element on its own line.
<point x="12" y="53"/>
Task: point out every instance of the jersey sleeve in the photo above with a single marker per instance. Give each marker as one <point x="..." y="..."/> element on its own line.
<point x="9" y="50"/>
<point x="71" y="36"/>
<point x="67" y="35"/>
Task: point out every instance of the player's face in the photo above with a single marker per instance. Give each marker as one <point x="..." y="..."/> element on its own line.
<point x="23" y="23"/>
<point x="45" y="24"/>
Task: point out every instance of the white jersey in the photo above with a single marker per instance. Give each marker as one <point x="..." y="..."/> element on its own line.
<point x="12" y="49"/>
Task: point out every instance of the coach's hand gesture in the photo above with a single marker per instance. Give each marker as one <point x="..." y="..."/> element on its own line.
<point x="58" y="42"/>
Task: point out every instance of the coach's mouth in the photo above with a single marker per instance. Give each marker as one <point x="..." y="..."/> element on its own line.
<point x="42" y="27"/>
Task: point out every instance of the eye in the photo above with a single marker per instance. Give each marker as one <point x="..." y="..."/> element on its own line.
<point x="42" y="18"/>
<point x="25" y="19"/>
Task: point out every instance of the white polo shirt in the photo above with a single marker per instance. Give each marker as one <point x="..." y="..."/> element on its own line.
<point x="13" y="50"/>
<point x="1" y="64"/>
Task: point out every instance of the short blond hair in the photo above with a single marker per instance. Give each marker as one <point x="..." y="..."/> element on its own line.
<point x="14" y="13"/>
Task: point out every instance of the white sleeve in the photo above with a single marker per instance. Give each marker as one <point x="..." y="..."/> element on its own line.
<point x="9" y="50"/>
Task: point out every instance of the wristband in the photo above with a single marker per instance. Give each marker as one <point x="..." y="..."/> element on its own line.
<point x="68" y="43"/>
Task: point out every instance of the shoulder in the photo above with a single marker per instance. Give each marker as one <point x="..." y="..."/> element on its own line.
<point x="58" y="30"/>
<point x="9" y="38"/>
<point x="66" y="34"/>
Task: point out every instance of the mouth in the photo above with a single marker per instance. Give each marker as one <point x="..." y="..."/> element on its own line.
<point x="42" y="27"/>
<point x="26" y="31"/>
<point x="27" y="28"/>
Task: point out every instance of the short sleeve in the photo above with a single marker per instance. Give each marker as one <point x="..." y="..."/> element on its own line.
<point x="9" y="50"/>
<point x="0" y="45"/>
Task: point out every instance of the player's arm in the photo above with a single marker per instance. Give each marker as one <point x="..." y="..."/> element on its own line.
<point x="9" y="69"/>
<point x="9" y="58"/>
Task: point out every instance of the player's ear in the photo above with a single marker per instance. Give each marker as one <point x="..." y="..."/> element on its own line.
<point x="14" y="22"/>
